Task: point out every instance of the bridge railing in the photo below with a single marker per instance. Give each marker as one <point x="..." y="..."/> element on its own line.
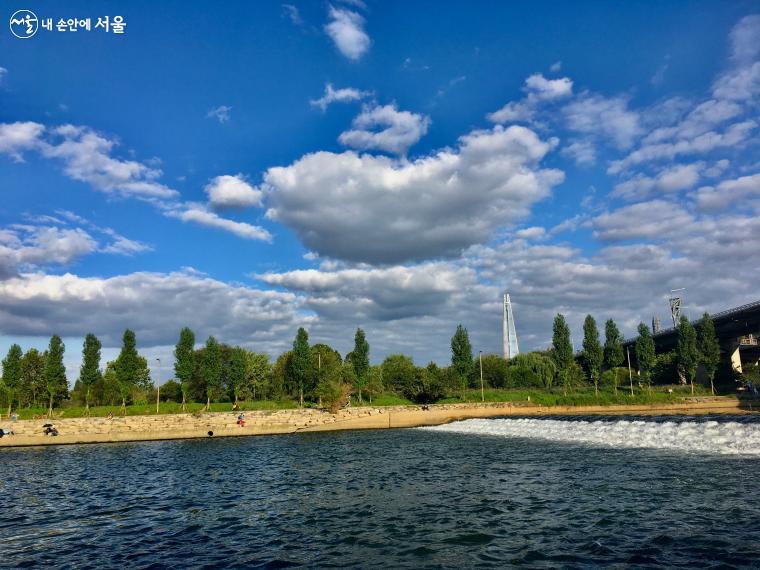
<point x="720" y="315"/>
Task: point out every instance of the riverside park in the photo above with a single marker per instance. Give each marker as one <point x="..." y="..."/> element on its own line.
<point x="363" y="284"/>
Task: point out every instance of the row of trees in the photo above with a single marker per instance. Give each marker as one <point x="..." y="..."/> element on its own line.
<point x="696" y="346"/>
<point x="34" y="378"/>
<point x="318" y="373"/>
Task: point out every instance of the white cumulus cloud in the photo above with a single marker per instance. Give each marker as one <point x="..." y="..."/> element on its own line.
<point x="346" y="28"/>
<point x="384" y="210"/>
<point x="232" y="192"/>
<point x="385" y="128"/>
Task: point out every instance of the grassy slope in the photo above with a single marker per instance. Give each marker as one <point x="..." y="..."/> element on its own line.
<point x="578" y="397"/>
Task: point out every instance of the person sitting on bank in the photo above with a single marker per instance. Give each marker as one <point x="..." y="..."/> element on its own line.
<point x="241" y="420"/>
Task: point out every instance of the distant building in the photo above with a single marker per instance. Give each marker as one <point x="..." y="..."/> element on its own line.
<point x="656" y="324"/>
<point x="509" y="331"/>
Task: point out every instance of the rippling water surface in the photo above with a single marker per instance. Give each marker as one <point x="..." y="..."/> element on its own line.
<point x="500" y="492"/>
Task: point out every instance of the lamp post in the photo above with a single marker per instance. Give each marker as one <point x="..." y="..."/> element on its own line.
<point x="158" y="385"/>
<point x="482" y="392"/>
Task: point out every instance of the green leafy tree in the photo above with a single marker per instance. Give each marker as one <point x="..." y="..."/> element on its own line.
<point x="592" y="351"/>
<point x="614" y="377"/>
<point x="236" y="371"/>
<point x="55" y="373"/>
<point x="211" y="368"/>
<point x="333" y="390"/>
<point x="324" y="361"/>
<point x="107" y="391"/>
<point x="258" y="373"/>
<point x="686" y="351"/>
<point x="398" y="372"/>
<point x="33" y="387"/>
<point x="645" y="354"/>
<point x="184" y="362"/>
<point x="12" y="376"/>
<point x="461" y="356"/>
<point x="427" y="385"/>
<point x="709" y="348"/>
<point x="374" y="385"/>
<point x="144" y="382"/>
<point x="281" y="384"/>
<point x="171" y="391"/>
<point x="89" y="373"/>
<point x="563" y="350"/>
<point x="300" y="364"/>
<point x="127" y="367"/>
<point x="613" y="345"/>
<point x="494" y="370"/>
<point x="531" y="369"/>
<point x="360" y="361"/>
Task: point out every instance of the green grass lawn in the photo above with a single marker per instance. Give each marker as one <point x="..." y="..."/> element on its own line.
<point x="553" y="397"/>
<point x="581" y="396"/>
<point x="149" y="409"/>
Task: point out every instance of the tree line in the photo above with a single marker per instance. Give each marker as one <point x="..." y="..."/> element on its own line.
<point x="319" y="374"/>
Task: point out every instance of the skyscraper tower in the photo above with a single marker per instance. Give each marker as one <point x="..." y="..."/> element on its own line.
<point x="509" y="331"/>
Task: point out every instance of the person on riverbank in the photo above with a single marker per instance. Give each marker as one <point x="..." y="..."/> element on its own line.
<point x="241" y="420"/>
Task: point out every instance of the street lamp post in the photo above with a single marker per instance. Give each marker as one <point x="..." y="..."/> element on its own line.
<point x="158" y="385"/>
<point x="482" y="392"/>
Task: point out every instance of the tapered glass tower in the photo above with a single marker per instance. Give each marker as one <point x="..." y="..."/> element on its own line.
<point x="509" y="331"/>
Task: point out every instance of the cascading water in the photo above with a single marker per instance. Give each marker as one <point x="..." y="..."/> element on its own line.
<point x="698" y="435"/>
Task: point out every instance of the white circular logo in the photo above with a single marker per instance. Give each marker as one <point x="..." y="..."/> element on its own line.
<point x="24" y="24"/>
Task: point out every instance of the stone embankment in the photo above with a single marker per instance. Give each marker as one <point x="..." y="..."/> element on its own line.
<point x="224" y="424"/>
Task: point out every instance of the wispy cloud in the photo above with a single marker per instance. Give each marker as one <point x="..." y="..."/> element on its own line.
<point x="342" y="95"/>
<point x="221" y="114"/>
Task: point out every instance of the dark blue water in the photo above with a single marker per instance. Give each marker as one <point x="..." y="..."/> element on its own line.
<point x="395" y="498"/>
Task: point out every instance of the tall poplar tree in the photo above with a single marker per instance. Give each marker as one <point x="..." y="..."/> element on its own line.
<point x="709" y="348"/>
<point x="300" y="363"/>
<point x="236" y="370"/>
<point x="360" y="360"/>
<point x="645" y="353"/>
<point x="90" y="373"/>
<point x="12" y="373"/>
<point x="184" y="362"/>
<point x="592" y="351"/>
<point x="211" y="368"/>
<point x="55" y="372"/>
<point x="32" y="377"/>
<point x="127" y="367"/>
<point x="563" y="349"/>
<point x="461" y="356"/>
<point x="613" y="345"/>
<point x="686" y="350"/>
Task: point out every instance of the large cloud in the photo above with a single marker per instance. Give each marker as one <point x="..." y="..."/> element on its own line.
<point x="381" y="294"/>
<point x="377" y="209"/>
<point x="155" y="305"/>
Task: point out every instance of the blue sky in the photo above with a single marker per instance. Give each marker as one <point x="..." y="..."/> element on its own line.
<point x="393" y="165"/>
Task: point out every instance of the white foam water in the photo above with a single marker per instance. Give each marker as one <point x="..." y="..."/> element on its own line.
<point x="706" y="436"/>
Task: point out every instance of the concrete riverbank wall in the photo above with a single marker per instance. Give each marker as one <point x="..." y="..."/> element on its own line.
<point x="223" y="424"/>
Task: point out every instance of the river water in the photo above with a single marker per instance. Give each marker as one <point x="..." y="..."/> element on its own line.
<point x="568" y="492"/>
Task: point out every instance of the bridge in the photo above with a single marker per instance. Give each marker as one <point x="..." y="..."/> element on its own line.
<point x="737" y="329"/>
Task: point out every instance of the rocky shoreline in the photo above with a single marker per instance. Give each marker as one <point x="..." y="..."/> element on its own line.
<point x="224" y="424"/>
